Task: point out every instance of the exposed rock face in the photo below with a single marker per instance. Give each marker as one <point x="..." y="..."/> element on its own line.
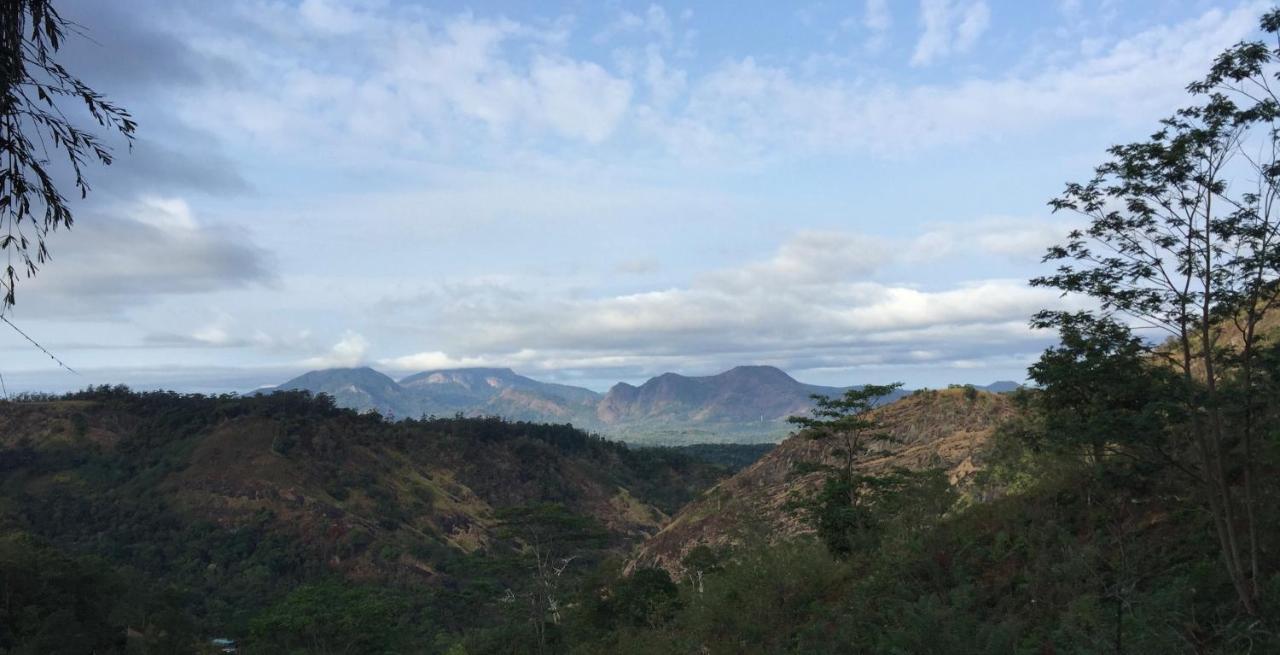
<point x="947" y="429"/>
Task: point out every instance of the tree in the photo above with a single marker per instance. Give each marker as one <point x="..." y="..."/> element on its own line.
<point x="840" y="510"/>
<point x="1183" y="238"/>
<point x="645" y="599"/>
<point x="33" y="118"/>
<point x="52" y="603"/>
<point x="332" y="617"/>
<point x="553" y="538"/>
<point x="1099" y="396"/>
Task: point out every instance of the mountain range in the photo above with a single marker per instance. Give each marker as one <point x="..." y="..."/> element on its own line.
<point x="745" y="404"/>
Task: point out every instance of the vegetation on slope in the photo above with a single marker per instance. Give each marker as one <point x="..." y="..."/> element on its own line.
<point x="946" y="428"/>
<point x="210" y="510"/>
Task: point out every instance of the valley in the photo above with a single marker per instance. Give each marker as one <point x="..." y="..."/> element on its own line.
<point x="699" y="201"/>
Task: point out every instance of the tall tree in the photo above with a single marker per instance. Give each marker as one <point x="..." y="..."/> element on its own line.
<point x="33" y="118"/>
<point x="841" y="510"/>
<point x="1182" y="238"/>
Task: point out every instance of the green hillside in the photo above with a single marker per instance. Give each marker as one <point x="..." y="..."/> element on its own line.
<point x="212" y="511"/>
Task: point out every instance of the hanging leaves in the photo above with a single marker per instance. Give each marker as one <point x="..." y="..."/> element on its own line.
<point x="34" y="129"/>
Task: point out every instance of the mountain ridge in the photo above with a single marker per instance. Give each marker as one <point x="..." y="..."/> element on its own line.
<point x="746" y="403"/>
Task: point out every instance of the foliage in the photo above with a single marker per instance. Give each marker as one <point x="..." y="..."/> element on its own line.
<point x="842" y="510"/>
<point x="1100" y="398"/>
<point x="732" y="456"/>
<point x="100" y="473"/>
<point x="1183" y="237"/>
<point x="335" y="617"/>
<point x="32" y="117"/>
<point x="1073" y="563"/>
<point x="645" y="599"/>
<point x="52" y="603"/>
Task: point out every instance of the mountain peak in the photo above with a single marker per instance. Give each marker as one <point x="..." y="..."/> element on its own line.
<point x="362" y="374"/>
<point x="760" y="371"/>
<point x="466" y="375"/>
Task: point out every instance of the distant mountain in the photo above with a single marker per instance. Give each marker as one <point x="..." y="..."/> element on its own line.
<point x="747" y="404"/>
<point x="470" y="391"/>
<point x="499" y="392"/>
<point x="1002" y="386"/>
<point x="743" y="395"/>
<point x="362" y="389"/>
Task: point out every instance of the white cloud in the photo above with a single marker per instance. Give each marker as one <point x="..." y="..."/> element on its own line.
<point x="877" y="19"/>
<point x="430" y="360"/>
<point x="171" y="214"/>
<point x="1017" y="239"/>
<point x="665" y="83"/>
<point x="215" y="334"/>
<point x="653" y="22"/>
<point x="349" y="351"/>
<point x="488" y="89"/>
<point x="746" y="111"/>
<point x="579" y="99"/>
<point x="489" y="169"/>
<point x="811" y="257"/>
<point x="808" y="305"/>
<point x="876" y="16"/>
<point x="407" y="81"/>
<point x="134" y="255"/>
<point x="950" y="27"/>
<point x="331" y="17"/>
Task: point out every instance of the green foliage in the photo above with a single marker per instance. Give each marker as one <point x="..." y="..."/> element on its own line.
<point x="846" y="413"/>
<point x="842" y="510"/>
<point x="840" y="513"/>
<point x="732" y="456"/>
<point x="51" y="603"/>
<point x="1100" y="396"/>
<point x="33" y="94"/>
<point x="645" y="599"/>
<point x="1183" y="236"/>
<point x="335" y="617"/>
<point x="377" y="510"/>
<point x="1071" y="564"/>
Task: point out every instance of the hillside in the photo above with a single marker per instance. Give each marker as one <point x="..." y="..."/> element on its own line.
<point x="232" y="502"/>
<point x="947" y="429"/>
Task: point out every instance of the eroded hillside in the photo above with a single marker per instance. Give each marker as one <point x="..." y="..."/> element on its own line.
<point x="945" y="429"/>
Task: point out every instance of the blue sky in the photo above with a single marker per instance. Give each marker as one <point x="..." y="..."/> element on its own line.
<point x="590" y="192"/>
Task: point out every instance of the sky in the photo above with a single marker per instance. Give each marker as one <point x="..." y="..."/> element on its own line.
<point x="589" y="192"/>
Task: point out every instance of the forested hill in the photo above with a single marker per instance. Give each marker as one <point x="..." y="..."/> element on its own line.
<point x="210" y="511"/>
